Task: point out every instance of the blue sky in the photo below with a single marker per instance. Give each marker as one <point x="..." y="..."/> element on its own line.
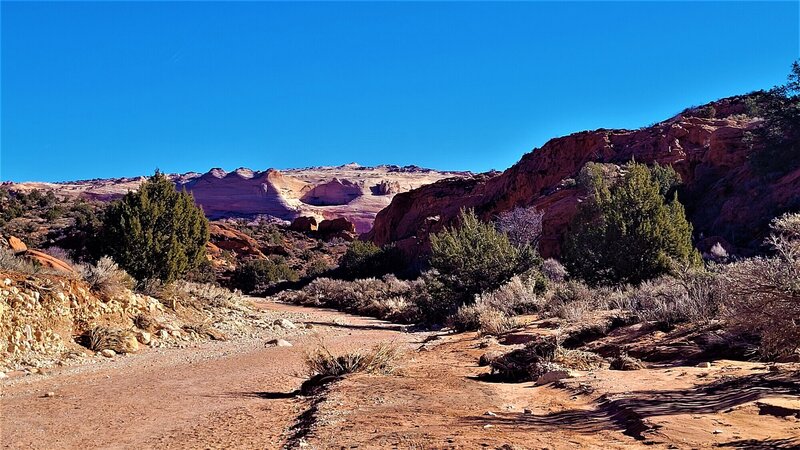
<point x="117" y="89"/>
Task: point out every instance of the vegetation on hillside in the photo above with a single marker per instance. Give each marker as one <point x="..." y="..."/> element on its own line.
<point x="627" y="231"/>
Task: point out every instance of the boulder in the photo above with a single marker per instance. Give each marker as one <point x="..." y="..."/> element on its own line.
<point x="337" y="225"/>
<point x="17" y="246"/>
<point x="48" y="261"/>
<point x="304" y="224"/>
<point x="226" y="238"/>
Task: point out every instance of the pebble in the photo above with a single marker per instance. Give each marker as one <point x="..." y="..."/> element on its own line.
<point x="717" y="431"/>
<point x="489" y="413"/>
<point x="278" y="343"/>
<point x="108" y="353"/>
<point x="488" y="425"/>
<point x="50" y="394"/>
<point x="704" y="365"/>
<point x="286" y="324"/>
<point x="3" y="375"/>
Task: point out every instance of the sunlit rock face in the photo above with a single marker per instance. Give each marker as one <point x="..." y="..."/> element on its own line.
<point x="722" y="194"/>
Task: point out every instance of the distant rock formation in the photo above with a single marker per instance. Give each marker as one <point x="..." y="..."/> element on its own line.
<point x="334" y="192"/>
<point x="351" y="191"/>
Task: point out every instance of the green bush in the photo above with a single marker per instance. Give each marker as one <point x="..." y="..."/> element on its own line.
<point x="156" y="232"/>
<point x="472" y="258"/>
<point x="257" y="274"/>
<point x="626" y="231"/>
<point x="364" y="259"/>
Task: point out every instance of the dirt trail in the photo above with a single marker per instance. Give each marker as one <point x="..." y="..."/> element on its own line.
<point x="238" y="394"/>
<point x="216" y="395"/>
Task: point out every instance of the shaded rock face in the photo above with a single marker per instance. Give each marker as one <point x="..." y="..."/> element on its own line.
<point x="722" y="195"/>
<point x="245" y="193"/>
<point x="304" y="224"/>
<point x="334" y="192"/>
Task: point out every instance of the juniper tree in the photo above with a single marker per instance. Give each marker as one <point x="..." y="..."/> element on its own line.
<point x="156" y="232"/>
<point x="627" y="231"/>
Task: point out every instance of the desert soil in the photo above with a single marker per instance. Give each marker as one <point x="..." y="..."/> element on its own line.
<point x="240" y="394"/>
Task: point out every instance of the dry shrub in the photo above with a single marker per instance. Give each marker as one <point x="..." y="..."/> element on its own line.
<point x="692" y="296"/>
<point x="120" y="340"/>
<point x="145" y="322"/>
<point x="762" y="295"/>
<point x="540" y="356"/>
<point x="388" y="298"/>
<point x="209" y="294"/>
<point x="381" y="359"/>
<point x="625" y="362"/>
<point x="518" y="296"/>
<point x="553" y="270"/>
<point x="106" y="278"/>
<point x="170" y="294"/>
<point x="572" y="301"/>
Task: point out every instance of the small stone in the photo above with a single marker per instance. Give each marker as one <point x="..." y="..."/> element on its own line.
<point x="717" y="431"/>
<point x="108" y="353"/>
<point x="489" y="413"/>
<point x="3" y="375"/>
<point x="143" y="337"/>
<point x="286" y="324"/>
<point x="278" y="343"/>
<point x="527" y="411"/>
<point x="488" y="425"/>
<point x="50" y="394"/>
<point x="704" y="365"/>
<point x="163" y="334"/>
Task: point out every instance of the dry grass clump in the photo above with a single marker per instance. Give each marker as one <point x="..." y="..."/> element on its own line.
<point x="13" y="263"/>
<point x="626" y="362"/>
<point x="540" y="356"/>
<point x="482" y="317"/>
<point x="381" y="359"/>
<point x="106" y="278"/>
<point x="101" y="338"/>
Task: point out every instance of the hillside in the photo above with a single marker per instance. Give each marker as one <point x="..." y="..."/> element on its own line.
<point x="725" y="198"/>
<point x="351" y="191"/>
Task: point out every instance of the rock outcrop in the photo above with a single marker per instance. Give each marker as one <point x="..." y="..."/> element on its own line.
<point x="304" y="224"/>
<point x="722" y="194"/>
<point x="227" y="238"/>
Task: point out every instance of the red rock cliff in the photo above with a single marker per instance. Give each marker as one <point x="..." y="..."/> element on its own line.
<point x="721" y="194"/>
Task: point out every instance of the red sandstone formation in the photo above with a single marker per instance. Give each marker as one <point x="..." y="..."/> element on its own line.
<point x="722" y="195"/>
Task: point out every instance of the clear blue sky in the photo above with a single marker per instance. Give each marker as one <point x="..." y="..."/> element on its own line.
<point x="118" y="89"/>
